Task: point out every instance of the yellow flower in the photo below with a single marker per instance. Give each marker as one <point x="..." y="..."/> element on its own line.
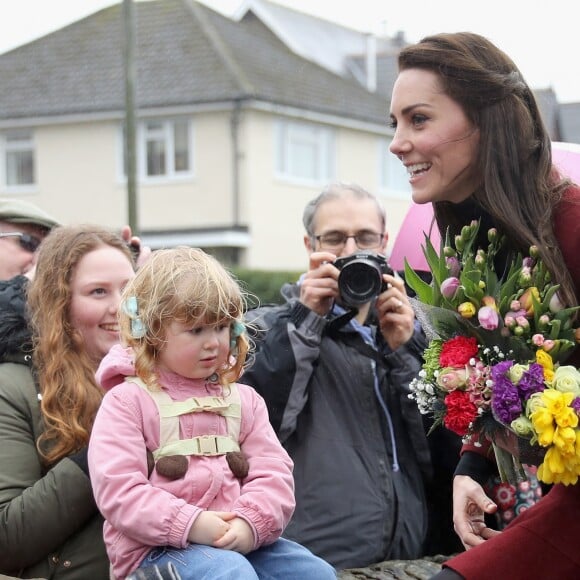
<point x="550" y="410"/>
<point x="526" y="299"/>
<point x="565" y="439"/>
<point x="567" y="418"/>
<point x="546" y="435"/>
<point x="560" y="468"/>
<point x="466" y="310"/>
<point x="554" y="460"/>
<point x="489" y="301"/>
<point x="556" y="402"/>
<point x="544" y="359"/>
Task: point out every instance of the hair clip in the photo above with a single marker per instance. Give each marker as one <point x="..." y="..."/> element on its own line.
<point x="131" y="310"/>
<point x="238" y="328"/>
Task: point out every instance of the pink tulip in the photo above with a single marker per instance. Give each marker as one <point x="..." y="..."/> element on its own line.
<point x="488" y="318"/>
<point x="548" y="345"/>
<point x="453" y="264"/>
<point x="449" y="287"/>
<point x="523" y="322"/>
<point x="538" y="339"/>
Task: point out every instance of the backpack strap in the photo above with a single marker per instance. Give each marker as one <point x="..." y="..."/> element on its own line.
<point x="169" y="412"/>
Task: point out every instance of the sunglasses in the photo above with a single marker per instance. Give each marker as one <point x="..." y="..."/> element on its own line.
<point x="26" y="241"/>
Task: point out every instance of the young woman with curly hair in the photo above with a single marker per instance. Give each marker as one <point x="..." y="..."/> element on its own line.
<point x="49" y="523"/>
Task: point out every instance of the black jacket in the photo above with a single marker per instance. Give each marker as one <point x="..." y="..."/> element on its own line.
<point x="353" y="508"/>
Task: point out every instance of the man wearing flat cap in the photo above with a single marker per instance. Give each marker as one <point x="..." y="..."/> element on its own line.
<point x="23" y="226"/>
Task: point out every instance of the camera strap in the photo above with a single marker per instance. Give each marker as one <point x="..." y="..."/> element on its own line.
<point x="341" y="320"/>
<point x="354" y="339"/>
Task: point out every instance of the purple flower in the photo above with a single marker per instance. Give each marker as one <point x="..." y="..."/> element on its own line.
<point x="532" y="381"/>
<point x="576" y="405"/>
<point x="505" y="402"/>
<point x="501" y="369"/>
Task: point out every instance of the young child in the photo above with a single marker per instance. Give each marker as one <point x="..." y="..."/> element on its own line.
<point x="184" y="464"/>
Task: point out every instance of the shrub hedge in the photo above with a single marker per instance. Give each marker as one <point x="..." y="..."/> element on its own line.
<point x="263" y="286"/>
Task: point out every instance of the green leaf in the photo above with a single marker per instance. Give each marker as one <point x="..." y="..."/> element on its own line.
<point x="470" y="281"/>
<point x="436" y="261"/>
<point x="423" y="290"/>
<point x="555" y="326"/>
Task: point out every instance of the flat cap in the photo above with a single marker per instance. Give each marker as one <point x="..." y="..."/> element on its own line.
<point x="17" y="211"/>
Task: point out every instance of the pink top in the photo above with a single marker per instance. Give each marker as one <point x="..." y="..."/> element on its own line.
<point x="142" y="512"/>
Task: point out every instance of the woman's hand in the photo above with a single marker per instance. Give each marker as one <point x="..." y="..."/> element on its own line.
<point x="470" y="504"/>
<point x="140" y="252"/>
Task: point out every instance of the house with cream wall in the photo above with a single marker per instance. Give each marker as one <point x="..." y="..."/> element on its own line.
<point x="236" y="132"/>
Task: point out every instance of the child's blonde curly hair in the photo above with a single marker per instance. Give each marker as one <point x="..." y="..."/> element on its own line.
<point x="188" y="286"/>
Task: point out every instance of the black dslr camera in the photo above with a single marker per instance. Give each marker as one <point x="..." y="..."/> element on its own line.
<point x="361" y="277"/>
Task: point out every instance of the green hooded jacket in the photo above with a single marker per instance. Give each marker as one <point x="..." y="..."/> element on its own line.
<point x="49" y="524"/>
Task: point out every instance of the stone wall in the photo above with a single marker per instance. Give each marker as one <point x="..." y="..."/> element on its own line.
<point x="396" y="570"/>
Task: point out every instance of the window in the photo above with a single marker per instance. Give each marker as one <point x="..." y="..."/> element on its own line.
<point x="164" y="149"/>
<point x="304" y="152"/>
<point x="394" y="181"/>
<point x="18" y="159"/>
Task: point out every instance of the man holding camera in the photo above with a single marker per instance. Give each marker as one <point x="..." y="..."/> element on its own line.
<point x="333" y="365"/>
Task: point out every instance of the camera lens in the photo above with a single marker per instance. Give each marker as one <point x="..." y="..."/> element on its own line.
<point x="359" y="281"/>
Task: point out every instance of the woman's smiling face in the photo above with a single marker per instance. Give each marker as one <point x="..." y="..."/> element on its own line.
<point x="434" y="139"/>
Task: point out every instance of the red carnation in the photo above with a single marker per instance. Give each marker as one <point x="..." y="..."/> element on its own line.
<point x="457" y="351"/>
<point x="461" y="412"/>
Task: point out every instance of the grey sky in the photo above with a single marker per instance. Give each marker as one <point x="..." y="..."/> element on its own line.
<point x="540" y="37"/>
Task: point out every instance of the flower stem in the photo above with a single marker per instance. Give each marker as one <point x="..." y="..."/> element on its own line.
<point x="510" y="468"/>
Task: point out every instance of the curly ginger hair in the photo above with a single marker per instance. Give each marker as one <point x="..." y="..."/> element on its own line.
<point x="65" y="372"/>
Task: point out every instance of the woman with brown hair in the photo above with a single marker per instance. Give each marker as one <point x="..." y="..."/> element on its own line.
<point x="49" y="523"/>
<point x="469" y="132"/>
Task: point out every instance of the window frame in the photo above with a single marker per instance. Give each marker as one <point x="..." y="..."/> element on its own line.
<point x="26" y="145"/>
<point x="289" y="135"/>
<point x="166" y="133"/>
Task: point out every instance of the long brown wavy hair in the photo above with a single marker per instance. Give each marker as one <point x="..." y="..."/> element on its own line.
<point x="65" y="372"/>
<point x="519" y="185"/>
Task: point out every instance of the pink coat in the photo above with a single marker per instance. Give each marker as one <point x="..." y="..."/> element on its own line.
<point x="142" y="512"/>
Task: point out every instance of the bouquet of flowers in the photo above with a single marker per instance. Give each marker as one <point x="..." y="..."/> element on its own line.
<point x="495" y="361"/>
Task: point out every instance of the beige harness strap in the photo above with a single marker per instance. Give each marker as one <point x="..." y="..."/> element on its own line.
<point x="170" y="411"/>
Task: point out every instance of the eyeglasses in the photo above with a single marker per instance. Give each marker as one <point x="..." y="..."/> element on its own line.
<point x="26" y="241"/>
<point x="364" y="240"/>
